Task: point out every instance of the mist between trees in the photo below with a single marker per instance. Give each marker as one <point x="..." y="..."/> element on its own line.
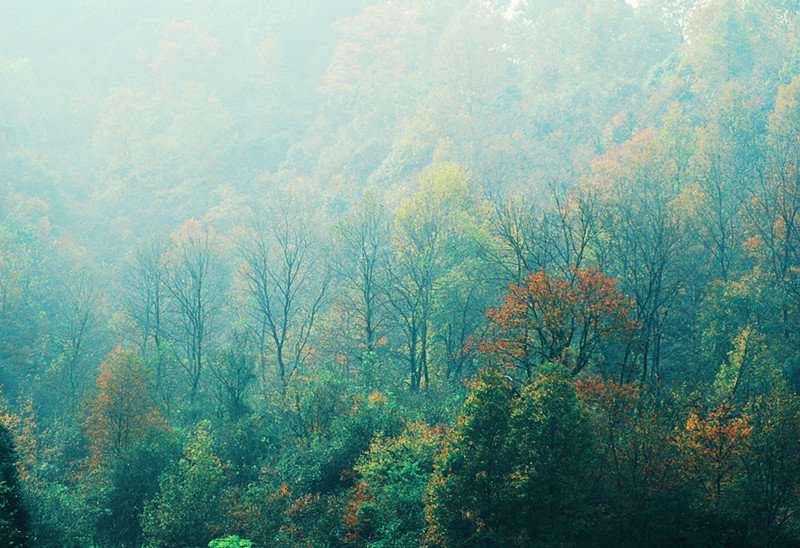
<point x="407" y="273"/>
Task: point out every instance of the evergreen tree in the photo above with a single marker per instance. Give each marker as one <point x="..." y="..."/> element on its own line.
<point x="13" y="517"/>
<point x="555" y="456"/>
<point x="469" y="501"/>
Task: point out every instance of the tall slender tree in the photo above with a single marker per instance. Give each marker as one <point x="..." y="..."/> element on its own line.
<point x="196" y="284"/>
<point x="287" y="282"/>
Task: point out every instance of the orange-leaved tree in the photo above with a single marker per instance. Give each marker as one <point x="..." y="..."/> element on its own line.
<point x="716" y="446"/>
<point x="26" y="434"/>
<point x="645" y="496"/>
<point x="130" y="445"/>
<point x="121" y="415"/>
<point x="558" y="319"/>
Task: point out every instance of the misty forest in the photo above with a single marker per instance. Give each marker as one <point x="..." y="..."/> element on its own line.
<point x="399" y="273"/>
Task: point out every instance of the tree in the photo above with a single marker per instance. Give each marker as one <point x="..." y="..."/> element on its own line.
<point x="79" y="335"/>
<point x="774" y="205"/>
<point x="58" y="515"/>
<point x="362" y="244"/>
<point x="146" y="291"/>
<point x="728" y="163"/>
<point x="770" y="496"/>
<point x="187" y="508"/>
<point x="129" y="446"/>
<point x="13" y="516"/>
<point x="646" y="233"/>
<point x="286" y="282"/>
<point x="459" y="311"/>
<point x="259" y="512"/>
<point x="646" y="502"/>
<point x="715" y="446"/>
<point x="435" y="231"/>
<point x="336" y="439"/>
<point x="378" y="77"/>
<point x="148" y="304"/>
<point x="555" y="454"/>
<point x="234" y="368"/>
<point x="122" y="414"/>
<point x="728" y="41"/>
<point x="231" y="541"/>
<point x="469" y="67"/>
<point x="26" y="245"/>
<point x="553" y="236"/>
<point x="387" y="505"/>
<point x="159" y="150"/>
<point x="558" y="319"/>
<point x="470" y="498"/>
<point x="376" y="51"/>
<point x="196" y="284"/>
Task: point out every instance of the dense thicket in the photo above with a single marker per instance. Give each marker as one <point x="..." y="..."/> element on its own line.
<point x="400" y="273"/>
<point x="13" y="523"/>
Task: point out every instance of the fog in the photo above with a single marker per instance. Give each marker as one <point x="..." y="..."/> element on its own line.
<point x="275" y="252"/>
<point x="151" y="113"/>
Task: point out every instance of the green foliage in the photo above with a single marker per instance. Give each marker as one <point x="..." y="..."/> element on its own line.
<point x="132" y="481"/>
<point x="769" y="497"/>
<point x="234" y="368"/>
<point x="325" y="458"/>
<point x="13" y="515"/>
<point x="188" y="506"/>
<point x="61" y="517"/>
<point x="740" y="340"/>
<point x="231" y="541"/>
<point x="246" y="445"/>
<point x="555" y="455"/>
<point x="470" y="500"/>
<point x="386" y="508"/>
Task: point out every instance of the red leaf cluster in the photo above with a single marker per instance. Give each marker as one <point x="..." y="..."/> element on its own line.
<point x="556" y="319"/>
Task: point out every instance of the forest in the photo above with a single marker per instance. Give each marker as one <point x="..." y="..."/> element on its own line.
<point x="399" y="273"/>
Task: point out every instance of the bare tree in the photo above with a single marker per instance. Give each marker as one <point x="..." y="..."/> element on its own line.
<point x="147" y="302"/>
<point x="729" y="164"/>
<point x="145" y="293"/>
<point x="234" y="370"/>
<point x="287" y="283"/>
<point x="648" y="239"/>
<point x="553" y="236"/>
<point x="410" y="299"/>
<point x="362" y="262"/>
<point x="80" y="342"/>
<point x="196" y="285"/>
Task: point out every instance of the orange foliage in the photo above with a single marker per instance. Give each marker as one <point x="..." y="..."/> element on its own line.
<point x="353" y="519"/>
<point x="552" y="319"/>
<point x="376" y="398"/>
<point x="714" y="449"/>
<point x="24" y="428"/>
<point x="120" y="416"/>
<point x="638" y="441"/>
<point x="612" y="403"/>
<point x="258" y="514"/>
